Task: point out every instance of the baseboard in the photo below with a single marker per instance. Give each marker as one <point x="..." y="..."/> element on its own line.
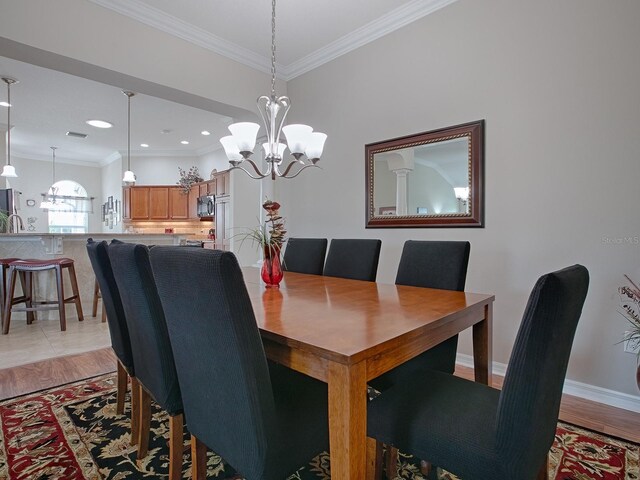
<point x="576" y="389"/>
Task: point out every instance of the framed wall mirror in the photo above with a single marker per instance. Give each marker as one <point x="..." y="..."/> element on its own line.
<point x="432" y="179"/>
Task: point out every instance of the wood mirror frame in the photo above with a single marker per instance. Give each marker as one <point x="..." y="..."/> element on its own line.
<point x="474" y="214"/>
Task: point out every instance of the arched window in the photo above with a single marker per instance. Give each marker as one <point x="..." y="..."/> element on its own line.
<point x="69" y="216"/>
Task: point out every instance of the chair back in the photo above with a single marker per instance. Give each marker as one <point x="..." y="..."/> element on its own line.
<point x="305" y="255"/>
<point x="530" y="398"/>
<point x="356" y="259"/>
<point x="434" y="264"/>
<point x="221" y="364"/>
<point x="152" y="354"/>
<point x="118" y="330"/>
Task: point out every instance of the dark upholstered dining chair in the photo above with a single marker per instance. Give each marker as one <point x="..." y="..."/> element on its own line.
<point x="356" y="259"/>
<point x="264" y="424"/>
<point x="152" y="354"/>
<point x="305" y="255"/>
<point x="118" y="330"/>
<point x="475" y="431"/>
<point x="429" y="264"/>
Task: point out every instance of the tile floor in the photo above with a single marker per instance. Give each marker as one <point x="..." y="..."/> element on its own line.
<point x="43" y="339"/>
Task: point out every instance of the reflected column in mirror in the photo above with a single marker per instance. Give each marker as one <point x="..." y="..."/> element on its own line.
<point x="430" y="179"/>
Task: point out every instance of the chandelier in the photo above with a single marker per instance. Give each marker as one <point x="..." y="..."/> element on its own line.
<point x="304" y="144"/>
<point x="9" y="170"/>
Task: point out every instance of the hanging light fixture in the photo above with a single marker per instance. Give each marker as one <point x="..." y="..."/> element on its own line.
<point x="129" y="178"/>
<point x="9" y="170"/>
<point x="304" y="144"/>
<point x="49" y="199"/>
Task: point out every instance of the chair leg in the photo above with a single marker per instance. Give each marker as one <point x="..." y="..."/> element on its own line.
<point x="135" y="410"/>
<point x="543" y="474"/>
<point x="61" y="311"/>
<point x="7" y="304"/>
<point x="122" y="388"/>
<point x="76" y="292"/>
<point x="104" y="314"/>
<point x="198" y="459"/>
<point x="176" y="430"/>
<point x="94" y="309"/>
<point x="145" y="423"/>
<point x="26" y="281"/>
<point x="392" y="462"/>
<point x="374" y="459"/>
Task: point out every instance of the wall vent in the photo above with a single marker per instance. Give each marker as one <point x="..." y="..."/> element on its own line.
<point x="76" y="134"/>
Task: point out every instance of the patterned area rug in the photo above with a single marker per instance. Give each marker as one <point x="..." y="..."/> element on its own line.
<point x="72" y="432"/>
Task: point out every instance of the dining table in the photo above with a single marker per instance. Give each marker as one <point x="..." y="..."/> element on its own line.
<point x="347" y="332"/>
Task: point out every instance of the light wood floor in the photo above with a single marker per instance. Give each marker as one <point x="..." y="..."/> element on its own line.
<point x="50" y="373"/>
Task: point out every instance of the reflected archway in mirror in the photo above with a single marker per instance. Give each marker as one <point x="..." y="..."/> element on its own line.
<point x="431" y="179"/>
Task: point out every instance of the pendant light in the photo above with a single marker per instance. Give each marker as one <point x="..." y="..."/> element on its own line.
<point x="9" y="170"/>
<point x="129" y="178"/>
<point x="49" y="200"/>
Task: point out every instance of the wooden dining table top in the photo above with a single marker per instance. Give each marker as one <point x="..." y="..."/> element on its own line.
<point x="347" y="321"/>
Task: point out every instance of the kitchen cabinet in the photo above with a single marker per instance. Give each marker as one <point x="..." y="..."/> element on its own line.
<point x="222" y="183"/>
<point x="178" y="204"/>
<point x="194" y="193"/>
<point x="207" y="188"/>
<point x="158" y="203"/>
<point x="139" y="206"/>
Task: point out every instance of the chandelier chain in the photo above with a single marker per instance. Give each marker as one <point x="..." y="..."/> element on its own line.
<point x="273" y="48"/>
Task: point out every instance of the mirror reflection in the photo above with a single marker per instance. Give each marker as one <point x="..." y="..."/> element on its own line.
<point x="423" y="180"/>
<point x="431" y="179"/>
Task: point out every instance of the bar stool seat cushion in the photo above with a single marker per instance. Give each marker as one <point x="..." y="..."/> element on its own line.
<point x="41" y="263"/>
<point x="7" y="261"/>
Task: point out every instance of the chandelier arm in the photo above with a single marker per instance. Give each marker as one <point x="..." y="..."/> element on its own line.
<point x="259" y="174"/>
<point x="288" y="169"/>
<point x="286" y="104"/>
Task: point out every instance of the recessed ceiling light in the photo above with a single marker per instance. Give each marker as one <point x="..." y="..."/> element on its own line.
<point x="99" y="124"/>
<point x="5" y="104"/>
<point x="144" y="145"/>
<point x="205" y="132"/>
<point x="184" y="142"/>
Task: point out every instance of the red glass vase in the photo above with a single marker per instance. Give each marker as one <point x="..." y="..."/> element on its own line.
<point x="272" y="268"/>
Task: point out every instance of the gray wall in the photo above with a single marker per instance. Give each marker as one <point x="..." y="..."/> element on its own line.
<point x="557" y="83"/>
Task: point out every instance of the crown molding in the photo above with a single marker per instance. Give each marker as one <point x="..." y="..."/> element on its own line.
<point x="156" y="18"/>
<point x="210" y="149"/>
<point x="398" y="18"/>
<point x="384" y="25"/>
<point x="109" y="159"/>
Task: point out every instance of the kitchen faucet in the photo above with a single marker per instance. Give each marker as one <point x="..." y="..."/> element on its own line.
<point x="16" y="225"/>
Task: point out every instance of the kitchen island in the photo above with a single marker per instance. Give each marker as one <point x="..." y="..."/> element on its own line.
<point x="71" y="245"/>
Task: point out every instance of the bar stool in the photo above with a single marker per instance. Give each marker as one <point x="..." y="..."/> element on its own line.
<point x="28" y="267"/>
<point x="4" y="266"/>
<point x="96" y="297"/>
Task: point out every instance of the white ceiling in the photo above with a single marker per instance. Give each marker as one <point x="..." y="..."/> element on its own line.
<point x="48" y="103"/>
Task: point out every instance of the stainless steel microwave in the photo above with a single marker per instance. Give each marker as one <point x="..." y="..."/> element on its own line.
<point x="207" y="206"/>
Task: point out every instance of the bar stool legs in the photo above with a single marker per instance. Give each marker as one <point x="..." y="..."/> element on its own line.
<point x="26" y="268"/>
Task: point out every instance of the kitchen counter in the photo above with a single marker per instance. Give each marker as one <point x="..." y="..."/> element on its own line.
<point x="71" y="245"/>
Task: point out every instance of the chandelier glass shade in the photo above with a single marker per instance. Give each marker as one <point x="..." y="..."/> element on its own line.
<point x="129" y="178"/>
<point x="305" y="145"/>
<point x="9" y="170"/>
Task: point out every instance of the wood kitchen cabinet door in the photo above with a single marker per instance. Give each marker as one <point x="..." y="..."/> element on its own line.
<point x="126" y="203"/>
<point x="158" y="203"/>
<point x="222" y="183"/>
<point x="194" y="193"/>
<point x="138" y="203"/>
<point x="178" y="203"/>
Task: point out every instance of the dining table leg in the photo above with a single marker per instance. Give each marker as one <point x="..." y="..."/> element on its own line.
<point x="483" y="346"/>
<point x="348" y="420"/>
